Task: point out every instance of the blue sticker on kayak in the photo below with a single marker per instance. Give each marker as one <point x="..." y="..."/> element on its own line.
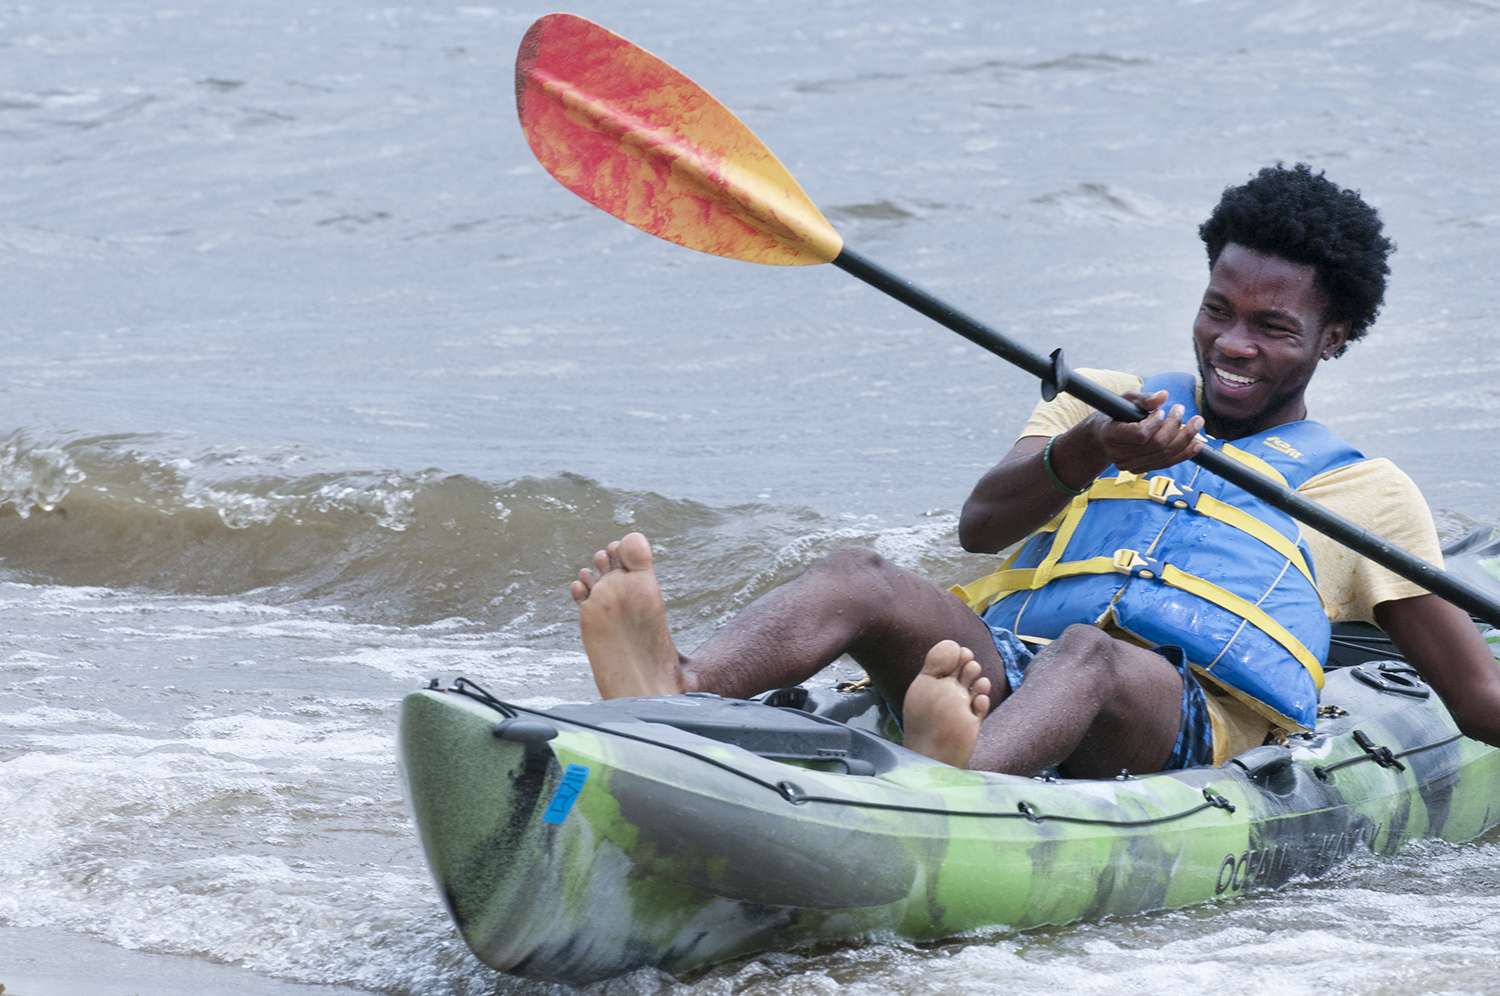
<point x="562" y="799"/>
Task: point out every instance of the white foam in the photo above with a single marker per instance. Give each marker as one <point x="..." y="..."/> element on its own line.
<point x="46" y="716"/>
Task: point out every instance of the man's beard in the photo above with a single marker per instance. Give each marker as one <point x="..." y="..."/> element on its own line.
<point x="1223" y="427"/>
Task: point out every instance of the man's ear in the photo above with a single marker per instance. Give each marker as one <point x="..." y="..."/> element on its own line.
<point x="1335" y="335"/>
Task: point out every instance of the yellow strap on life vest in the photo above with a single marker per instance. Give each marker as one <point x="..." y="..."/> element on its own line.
<point x="1060" y="540"/>
<point x="992" y="587"/>
<point x="1245" y="522"/>
<point x="1005" y="582"/>
<point x="982" y="593"/>
<point x="1255" y="463"/>
<point x="1164" y="490"/>
<point x="1248" y="611"/>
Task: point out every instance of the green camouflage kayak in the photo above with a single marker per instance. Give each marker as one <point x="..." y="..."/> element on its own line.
<point x="584" y="841"/>
<point x="679" y="831"/>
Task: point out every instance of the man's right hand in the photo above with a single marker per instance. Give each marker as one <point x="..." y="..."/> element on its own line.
<point x="1159" y="440"/>
<point x="1016" y="496"/>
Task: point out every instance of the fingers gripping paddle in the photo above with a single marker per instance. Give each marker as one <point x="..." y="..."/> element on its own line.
<point x="630" y="134"/>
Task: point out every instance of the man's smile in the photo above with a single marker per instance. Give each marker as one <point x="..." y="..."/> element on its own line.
<point x="1233" y="378"/>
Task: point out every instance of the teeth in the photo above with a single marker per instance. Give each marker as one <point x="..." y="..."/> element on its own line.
<point x="1233" y="378"/>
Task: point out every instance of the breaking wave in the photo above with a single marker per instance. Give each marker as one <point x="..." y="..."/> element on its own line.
<point x="396" y="547"/>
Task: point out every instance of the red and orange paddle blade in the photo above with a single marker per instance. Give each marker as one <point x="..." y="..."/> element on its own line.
<point x="630" y="134"/>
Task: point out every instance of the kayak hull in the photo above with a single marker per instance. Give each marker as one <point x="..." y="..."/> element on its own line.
<point x="676" y="832"/>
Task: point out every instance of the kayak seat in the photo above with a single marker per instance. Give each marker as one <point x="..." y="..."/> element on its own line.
<point x="1354" y="643"/>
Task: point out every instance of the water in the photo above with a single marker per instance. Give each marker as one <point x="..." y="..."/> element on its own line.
<point x="314" y="385"/>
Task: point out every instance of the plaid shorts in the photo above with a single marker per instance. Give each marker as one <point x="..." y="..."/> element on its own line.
<point x="1195" y="735"/>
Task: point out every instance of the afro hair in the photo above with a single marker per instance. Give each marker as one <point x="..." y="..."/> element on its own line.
<point x="1302" y="217"/>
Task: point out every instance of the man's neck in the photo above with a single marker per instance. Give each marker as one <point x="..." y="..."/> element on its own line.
<point x="1291" y="410"/>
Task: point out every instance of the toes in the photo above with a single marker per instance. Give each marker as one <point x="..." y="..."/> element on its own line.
<point x="969" y="672"/>
<point x="943" y="659"/>
<point x="981" y="703"/>
<point x="633" y="552"/>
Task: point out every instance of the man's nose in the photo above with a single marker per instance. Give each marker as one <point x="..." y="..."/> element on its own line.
<point x="1238" y="342"/>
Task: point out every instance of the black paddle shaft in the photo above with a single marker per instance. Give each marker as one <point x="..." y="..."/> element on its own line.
<point x="1057" y="378"/>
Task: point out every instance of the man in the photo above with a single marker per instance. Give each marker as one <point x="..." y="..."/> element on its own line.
<point x="1147" y="622"/>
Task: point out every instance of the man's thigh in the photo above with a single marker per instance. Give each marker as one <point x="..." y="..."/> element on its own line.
<point x="915" y="615"/>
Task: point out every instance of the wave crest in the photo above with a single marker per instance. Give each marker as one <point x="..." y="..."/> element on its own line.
<point x="401" y="548"/>
<point x="34" y="478"/>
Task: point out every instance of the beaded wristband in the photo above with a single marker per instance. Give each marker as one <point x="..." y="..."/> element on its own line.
<point x="1047" y="466"/>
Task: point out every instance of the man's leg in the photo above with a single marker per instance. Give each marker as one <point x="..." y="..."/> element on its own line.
<point x="1090" y="705"/>
<point x="853" y="601"/>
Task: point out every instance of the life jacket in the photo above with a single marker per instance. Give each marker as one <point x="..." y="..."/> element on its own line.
<point x="1183" y="557"/>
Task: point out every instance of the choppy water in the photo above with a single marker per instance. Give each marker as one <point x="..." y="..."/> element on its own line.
<point x="313" y="385"/>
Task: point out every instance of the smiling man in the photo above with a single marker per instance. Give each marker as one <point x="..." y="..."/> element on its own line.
<point x="1154" y="616"/>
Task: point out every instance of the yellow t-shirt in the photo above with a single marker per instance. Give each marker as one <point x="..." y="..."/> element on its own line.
<point x="1374" y="494"/>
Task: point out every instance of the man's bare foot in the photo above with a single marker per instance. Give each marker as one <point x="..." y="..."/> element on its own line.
<point x="945" y="705"/>
<point x="624" y="623"/>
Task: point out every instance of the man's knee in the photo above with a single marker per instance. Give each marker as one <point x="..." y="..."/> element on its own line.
<point x="1101" y="659"/>
<point x="863" y="582"/>
<point x="1083" y="652"/>
<point x="854" y="562"/>
<point x="1084" y="644"/>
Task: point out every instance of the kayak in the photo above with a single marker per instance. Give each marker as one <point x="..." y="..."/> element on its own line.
<point x="576" y="843"/>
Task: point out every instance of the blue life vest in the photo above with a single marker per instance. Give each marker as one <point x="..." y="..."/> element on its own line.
<point x="1184" y="557"/>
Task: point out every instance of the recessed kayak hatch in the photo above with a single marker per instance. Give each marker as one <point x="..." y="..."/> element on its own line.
<point x="778" y="733"/>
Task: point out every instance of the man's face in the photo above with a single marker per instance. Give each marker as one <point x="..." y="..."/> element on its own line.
<point x="1258" y="337"/>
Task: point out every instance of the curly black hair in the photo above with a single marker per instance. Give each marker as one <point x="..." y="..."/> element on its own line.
<point x="1303" y="217"/>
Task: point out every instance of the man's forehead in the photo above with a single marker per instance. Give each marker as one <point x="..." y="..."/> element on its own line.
<point x="1241" y="268"/>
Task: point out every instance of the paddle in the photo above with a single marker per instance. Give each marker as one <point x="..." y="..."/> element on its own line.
<point x="630" y="134"/>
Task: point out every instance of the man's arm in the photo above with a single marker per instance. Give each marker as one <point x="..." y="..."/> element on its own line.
<point x="1011" y="499"/>
<point x="1445" y="647"/>
<point x="1016" y="495"/>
